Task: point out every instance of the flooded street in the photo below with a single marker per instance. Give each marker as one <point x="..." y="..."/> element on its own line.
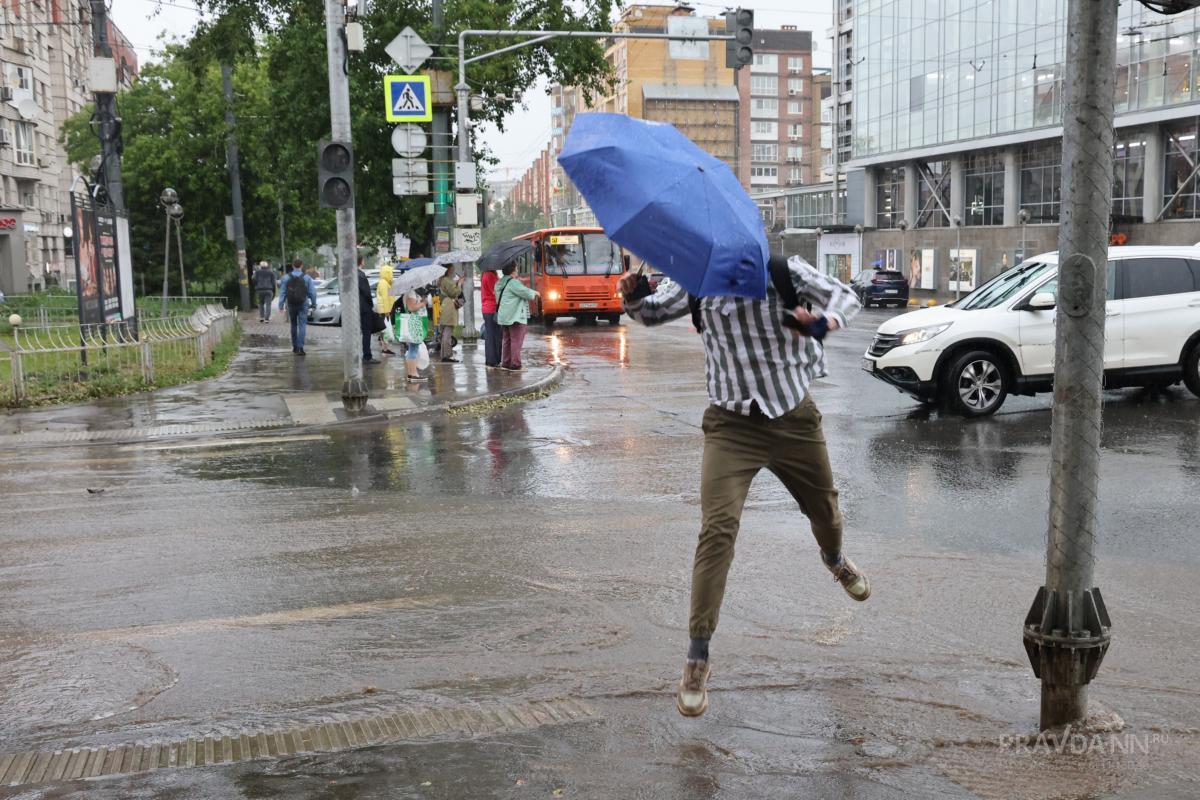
<point x="223" y="586"/>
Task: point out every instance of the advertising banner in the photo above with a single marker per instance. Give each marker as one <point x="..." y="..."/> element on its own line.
<point x="106" y="253"/>
<point x="87" y="282"/>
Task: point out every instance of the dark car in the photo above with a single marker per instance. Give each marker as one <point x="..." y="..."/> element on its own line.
<point x="881" y="287"/>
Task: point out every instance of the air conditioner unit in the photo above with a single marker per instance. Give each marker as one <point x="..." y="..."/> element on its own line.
<point x="792" y="93"/>
<point x="18" y="44"/>
<point x="795" y="137"/>
<point x="793" y="72"/>
<point x="43" y="162"/>
<point x="6" y="94"/>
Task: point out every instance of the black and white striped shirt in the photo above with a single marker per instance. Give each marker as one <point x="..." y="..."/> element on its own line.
<point x="750" y="358"/>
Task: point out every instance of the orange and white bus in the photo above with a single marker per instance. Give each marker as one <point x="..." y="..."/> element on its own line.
<point x="576" y="269"/>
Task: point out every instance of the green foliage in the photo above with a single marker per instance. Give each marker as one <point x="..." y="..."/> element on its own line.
<point x="510" y="220"/>
<point x="175" y="131"/>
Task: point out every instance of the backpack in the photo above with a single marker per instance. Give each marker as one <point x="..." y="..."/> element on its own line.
<point x="296" y="290"/>
<point x="781" y="279"/>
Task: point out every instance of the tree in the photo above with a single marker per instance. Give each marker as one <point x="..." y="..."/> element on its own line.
<point x="511" y="219"/>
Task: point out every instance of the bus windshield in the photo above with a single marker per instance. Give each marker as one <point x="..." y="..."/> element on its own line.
<point x="581" y="254"/>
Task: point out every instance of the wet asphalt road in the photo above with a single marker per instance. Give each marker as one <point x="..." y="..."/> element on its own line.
<point x="544" y="552"/>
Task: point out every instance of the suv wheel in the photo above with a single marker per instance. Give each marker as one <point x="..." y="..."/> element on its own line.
<point x="1191" y="370"/>
<point x="975" y="384"/>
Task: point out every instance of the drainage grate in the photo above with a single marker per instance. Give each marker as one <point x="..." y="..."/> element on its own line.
<point x="46" y="766"/>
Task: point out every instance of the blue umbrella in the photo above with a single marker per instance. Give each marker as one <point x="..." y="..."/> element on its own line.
<point x="667" y="201"/>
<point x="405" y="266"/>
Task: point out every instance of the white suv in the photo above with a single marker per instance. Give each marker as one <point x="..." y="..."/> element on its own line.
<point x="999" y="339"/>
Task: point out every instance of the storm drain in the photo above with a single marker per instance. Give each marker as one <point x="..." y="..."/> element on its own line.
<point x="46" y="766"/>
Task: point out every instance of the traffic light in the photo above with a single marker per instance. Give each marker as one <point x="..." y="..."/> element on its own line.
<point x="739" y="51"/>
<point x="335" y="174"/>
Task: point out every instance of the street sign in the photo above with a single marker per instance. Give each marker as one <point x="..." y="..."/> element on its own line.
<point x="468" y="239"/>
<point x="410" y="168"/>
<point x="408" y="50"/>
<point x="443" y="241"/>
<point x="409" y="140"/>
<point x="407" y="98"/>
<point x="687" y="50"/>
<point x="410" y="186"/>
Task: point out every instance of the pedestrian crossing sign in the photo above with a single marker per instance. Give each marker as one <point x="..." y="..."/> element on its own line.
<point x="408" y="98"/>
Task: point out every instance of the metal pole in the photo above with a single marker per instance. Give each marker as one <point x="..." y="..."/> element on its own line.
<point x="179" y="251"/>
<point x="837" y="105"/>
<point x="958" y="260"/>
<point x="1067" y="631"/>
<point x="166" y="262"/>
<point x="282" y="249"/>
<point x="106" y="114"/>
<point x="354" y="389"/>
<point x="235" y="185"/>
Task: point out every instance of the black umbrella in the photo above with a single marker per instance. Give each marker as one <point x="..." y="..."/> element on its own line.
<point x="503" y="253"/>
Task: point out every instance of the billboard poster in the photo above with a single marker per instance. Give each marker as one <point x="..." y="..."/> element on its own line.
<point x="125" y="269"/>
<point x="920" y="269"/>
<point x="962" y="270"/>
<point x="106" y="252"/>
<point x="87" y="283"/>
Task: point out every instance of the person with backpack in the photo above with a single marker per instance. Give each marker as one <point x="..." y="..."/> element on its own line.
<point x="512" y="314"/>
<point x="761" y="357"/>
<point x="298" y="293"/>
<point x="264" y="285"/>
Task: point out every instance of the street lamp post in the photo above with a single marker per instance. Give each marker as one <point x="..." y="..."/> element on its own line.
<point x="1023" y="218"/>
<point x="957" y="220"/>
<point x="168" y="200"/>
<point x="903" y="226"/>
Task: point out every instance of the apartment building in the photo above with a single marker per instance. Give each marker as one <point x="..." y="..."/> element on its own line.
<point x="45" y="50"/>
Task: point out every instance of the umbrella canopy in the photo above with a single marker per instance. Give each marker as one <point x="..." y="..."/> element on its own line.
<point x="499" y="255"/>
<point x="456" y="257"/>
<point x="664" y="199"/>
<point x="404" y="266"/>
<point x="414" y="277"/>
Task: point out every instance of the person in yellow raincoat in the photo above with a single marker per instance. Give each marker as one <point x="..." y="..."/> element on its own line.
<point x="384" y="303"/>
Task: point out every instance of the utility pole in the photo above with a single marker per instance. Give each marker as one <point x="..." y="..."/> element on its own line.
<point x="354" y="389"/>
<point x="235" y="186"/>
<point x="106" y="114"/>
<point x="1068" y="630"/>
<point x="443" y="174"/>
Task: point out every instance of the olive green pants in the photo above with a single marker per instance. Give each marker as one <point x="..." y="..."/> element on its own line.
<point x="736" y="447"/>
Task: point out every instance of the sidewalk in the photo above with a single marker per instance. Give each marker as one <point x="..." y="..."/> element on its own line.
<point x="268" y="387"/>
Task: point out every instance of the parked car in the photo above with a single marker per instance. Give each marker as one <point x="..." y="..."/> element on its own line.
<point x="329" y="302"/>
<point x="882" y="287"/>
<point x="999" y="340"/>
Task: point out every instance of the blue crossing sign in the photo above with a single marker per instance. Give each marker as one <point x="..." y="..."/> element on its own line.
<point x="408" y="98"/>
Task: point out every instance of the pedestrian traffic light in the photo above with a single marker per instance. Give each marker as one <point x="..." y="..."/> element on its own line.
<point x="739" y="51"/>
<point x="335" y="174"/>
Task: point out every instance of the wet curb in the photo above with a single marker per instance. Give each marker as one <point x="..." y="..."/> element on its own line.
<point x="35" y="439"/>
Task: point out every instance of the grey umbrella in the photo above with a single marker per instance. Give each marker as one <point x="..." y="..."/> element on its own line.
<point x="503" y="253"/>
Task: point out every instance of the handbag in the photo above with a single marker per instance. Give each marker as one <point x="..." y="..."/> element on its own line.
<point x="459" y="302"/>
<point x="410" y="328"/>
<point x="377" y="323"/>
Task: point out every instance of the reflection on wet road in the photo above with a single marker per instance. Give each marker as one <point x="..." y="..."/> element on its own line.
<point x="544" y="551"/>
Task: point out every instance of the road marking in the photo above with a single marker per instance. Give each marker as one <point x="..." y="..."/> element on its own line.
<point x="311" y="437"/>
<point x="288" y="617"/>
<point x="389" y="726"/>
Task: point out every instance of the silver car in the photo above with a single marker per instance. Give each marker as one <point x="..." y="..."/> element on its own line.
<point x="329" y="302"/>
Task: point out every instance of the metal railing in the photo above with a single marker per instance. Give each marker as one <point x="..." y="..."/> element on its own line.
<point x="56" y="363"/>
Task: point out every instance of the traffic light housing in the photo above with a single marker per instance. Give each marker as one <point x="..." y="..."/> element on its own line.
<point x="335" y="174"/>
<point x="739" y="51"/>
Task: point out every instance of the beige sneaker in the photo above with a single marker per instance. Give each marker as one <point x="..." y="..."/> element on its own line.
<point x="692" y="697"/>
<point x="852" y="579"/>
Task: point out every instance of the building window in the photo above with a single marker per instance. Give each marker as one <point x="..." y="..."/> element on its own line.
<point x="764" y="107"/>
<point x="765" y="62"/>
<point x="24" y="79"/>
<point x="23" y="143"/>
<point x="764" y="130"/>
<point x="794" y="175"/>
<point x="889" y="197"/>
<point x="765" y="152"/>
<point x="764" y="84"/>
<point x="933" y="194"/>
<point x="983" y="183"/>
<point x="764" y="175"/>
<point x="795" y="131"/>
<point x="794" y="107"/>
<point x="1181" y="193"/>
<point x="1129" y="172"/>
<point x="795" y="152"/>
<point x="795" y="86"/>
<point x="1041" y="180"/>
<point x="812" y="209"/>
<point x="795" y="63"/>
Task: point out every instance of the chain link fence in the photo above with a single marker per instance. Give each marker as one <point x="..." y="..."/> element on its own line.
<point x="44" y="360"/>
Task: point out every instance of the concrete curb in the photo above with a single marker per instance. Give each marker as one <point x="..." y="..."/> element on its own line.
<point x="34" y="439"/>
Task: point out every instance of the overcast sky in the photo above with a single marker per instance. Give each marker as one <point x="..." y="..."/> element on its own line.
<point x="147" y="22"/>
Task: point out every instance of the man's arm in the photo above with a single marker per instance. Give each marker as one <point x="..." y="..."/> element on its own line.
<point x="311" y="285"/>
<point x="833" y="298"/>
<point x="668" y="303"/>
<point x="283" y="291"/>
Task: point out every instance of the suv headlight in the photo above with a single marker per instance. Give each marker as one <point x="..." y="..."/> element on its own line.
<point x="918" y="335"/>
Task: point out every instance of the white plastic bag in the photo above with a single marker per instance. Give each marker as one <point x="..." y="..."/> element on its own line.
<point x="422" y="357"/>
<point x="389" y="335"/>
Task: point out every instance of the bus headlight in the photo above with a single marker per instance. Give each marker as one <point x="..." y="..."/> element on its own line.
<point x="552" y="294"/>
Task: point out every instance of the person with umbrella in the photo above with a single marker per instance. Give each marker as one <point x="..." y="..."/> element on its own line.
<point x="450" y="290"/>
<point x="675" y="206"/>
